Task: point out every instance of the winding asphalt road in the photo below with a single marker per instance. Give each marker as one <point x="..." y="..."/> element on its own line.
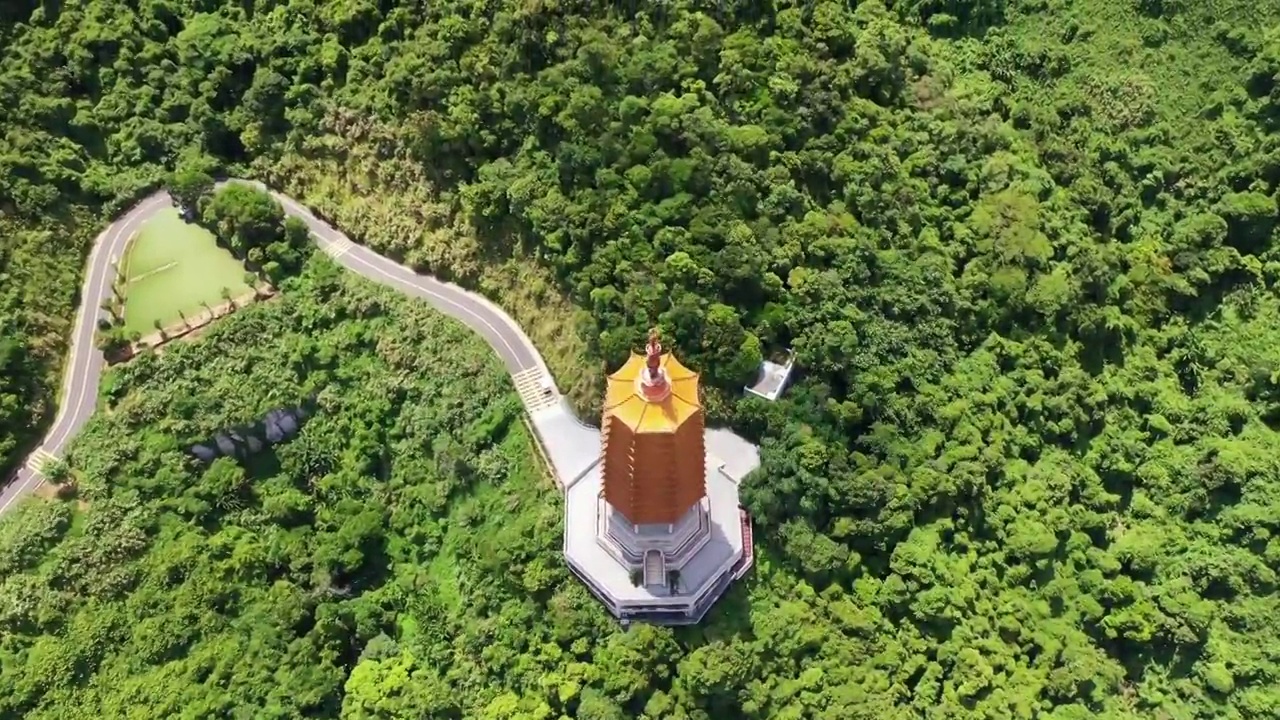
<point x="85" y="365"/>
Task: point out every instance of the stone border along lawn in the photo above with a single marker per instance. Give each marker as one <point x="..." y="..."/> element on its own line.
<point x="174" y="268"/>
<point x="192" y="327"/>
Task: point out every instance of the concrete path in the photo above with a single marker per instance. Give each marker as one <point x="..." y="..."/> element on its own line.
<point x="572" y="446"/>
<point x="85" y="365"/>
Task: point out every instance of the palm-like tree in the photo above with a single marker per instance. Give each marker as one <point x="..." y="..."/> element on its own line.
<point x="110" y="307"/>
<point x="108" y="339"/>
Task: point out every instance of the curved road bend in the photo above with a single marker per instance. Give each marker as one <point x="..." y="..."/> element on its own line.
<point x="80" y="383"/>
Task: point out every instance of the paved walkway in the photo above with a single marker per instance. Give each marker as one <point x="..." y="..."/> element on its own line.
<point x="572" y="446"/>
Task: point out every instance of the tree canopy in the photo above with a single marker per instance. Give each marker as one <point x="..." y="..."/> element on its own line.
<point x="1025" y="253"/>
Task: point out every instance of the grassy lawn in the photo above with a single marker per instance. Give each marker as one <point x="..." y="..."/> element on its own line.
<point x="175" y="267"/>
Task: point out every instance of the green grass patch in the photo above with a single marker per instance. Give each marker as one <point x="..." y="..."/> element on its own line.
<point x="442" y="573"/>
<point x="175" y="268"/>
<point x="491" y="518"/>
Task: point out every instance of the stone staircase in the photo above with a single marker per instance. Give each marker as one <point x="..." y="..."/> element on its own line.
<point x="535" y="389"/>
<point x="748" y="558"/>
<point x="655" y="569"/>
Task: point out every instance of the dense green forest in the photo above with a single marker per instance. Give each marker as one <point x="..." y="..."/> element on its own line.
<point x="1025" y="251"/>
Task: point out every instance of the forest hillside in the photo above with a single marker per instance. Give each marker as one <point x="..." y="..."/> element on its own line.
<point x="1025" y="252"/>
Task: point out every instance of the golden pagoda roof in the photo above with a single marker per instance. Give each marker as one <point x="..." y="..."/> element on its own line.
<point x="624" y="401"/>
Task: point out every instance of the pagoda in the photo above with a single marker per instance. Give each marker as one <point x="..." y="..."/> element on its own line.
<point x="654" y="528"/>
<point x="654" y="456"/>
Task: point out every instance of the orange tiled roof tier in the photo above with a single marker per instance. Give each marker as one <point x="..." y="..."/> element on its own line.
<point x="654" y="455"/>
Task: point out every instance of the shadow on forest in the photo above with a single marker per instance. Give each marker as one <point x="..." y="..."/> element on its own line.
<point x="1096" y="355"/>
<point x="263" y="465"/>
<point x="1174" y="660"/>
